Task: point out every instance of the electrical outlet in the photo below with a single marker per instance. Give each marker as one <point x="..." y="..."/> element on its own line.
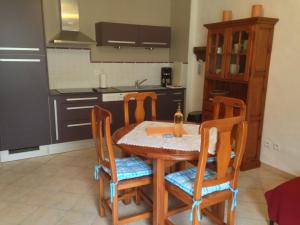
<point x="276" y="147"/>
<point x="267" y="144"/>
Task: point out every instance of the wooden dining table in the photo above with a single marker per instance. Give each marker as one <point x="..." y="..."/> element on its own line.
<point x="159" y="156"/>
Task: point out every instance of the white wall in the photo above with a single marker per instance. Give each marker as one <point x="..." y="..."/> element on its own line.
<point x="194" y="79"/>
<point x="281" y="122"/>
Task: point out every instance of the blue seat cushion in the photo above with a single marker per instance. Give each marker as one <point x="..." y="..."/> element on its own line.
<point x="212" y="159"/>
<point x="131" y="167"/>
<point x="185" y="180"/>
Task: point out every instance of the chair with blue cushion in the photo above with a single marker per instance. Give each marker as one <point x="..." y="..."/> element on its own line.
<point x="139" y="112"/>
<point x="226" y="107"/>
<point x="201" y="188"/>
<point x="122" y="173"/>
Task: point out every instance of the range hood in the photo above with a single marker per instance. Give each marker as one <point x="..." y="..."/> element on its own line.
<point x="70" y="33"/>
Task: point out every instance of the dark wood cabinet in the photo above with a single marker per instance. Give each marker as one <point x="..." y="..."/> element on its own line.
<point x="154" y="36"/>
<point x="119" y="34"/>
<point x="70" y="114"/>
<point x="167" y="103"/>
<point x="24" y="111"/>
<point x="237" y="63"/>
<point x="21" y="26"/>
<point x="116" y="34"/>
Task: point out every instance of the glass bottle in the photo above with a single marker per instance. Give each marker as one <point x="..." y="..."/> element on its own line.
<point x="178" y="122"/>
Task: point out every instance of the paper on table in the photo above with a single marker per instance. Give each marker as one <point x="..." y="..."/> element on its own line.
<point x="152" y="131"/>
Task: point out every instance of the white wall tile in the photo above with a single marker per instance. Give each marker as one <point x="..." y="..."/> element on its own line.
<point x="73" y="69"/>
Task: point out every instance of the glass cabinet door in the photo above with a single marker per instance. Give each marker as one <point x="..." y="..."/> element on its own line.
<point x="238" y="55"/>
<point x="216" y="54"/>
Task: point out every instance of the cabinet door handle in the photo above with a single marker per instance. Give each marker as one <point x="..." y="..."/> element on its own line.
<point x="55" y="120"/>
<point x="81" y="99"/>
<point x="161" y="94"/>
<point x="19" y="49"/>
<point x="80" y="107"/>
<point x="121" y="42"/>
<point x="177" y="100"/>
<point x="78" y="124"/>
<point x="19" y="60"/>
<point x="154" y="43"/>
<point x="177" y="93"/>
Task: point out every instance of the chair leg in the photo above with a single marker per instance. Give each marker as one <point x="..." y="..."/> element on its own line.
<point x="101" y="196"/>
<point x="115" y="213"/>
<point x="137" y="197"/>
<point x="195" y="217"/>
<point x="166" y="204"/>
<point x="230" y="213"/>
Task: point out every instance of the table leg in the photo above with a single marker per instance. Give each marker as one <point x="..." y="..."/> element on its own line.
<point x="158" y="192"/>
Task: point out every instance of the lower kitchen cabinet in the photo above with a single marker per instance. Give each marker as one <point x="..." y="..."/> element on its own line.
<point x="167" y="103"/>
<point x="71" y="114"/>
<point x="71" y="117"/>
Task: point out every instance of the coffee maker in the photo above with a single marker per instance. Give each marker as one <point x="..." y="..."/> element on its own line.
<point x="166" y="76"/>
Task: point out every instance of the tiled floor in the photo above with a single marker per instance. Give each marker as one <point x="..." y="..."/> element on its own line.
<point x="60" y="190"/>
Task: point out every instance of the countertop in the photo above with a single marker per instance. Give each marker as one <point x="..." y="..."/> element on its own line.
<point x="119" y="89"/>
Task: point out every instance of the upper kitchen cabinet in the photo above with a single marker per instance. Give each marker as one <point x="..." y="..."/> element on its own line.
<point x="21" y="27"/>
<point x="154" y="36"/>
<point x="118" y="34"/>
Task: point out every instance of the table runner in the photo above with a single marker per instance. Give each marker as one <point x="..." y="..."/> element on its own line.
<point x="138" y="136"/>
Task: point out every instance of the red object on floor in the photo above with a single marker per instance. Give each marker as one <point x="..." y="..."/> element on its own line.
<point x="284" y="203"/>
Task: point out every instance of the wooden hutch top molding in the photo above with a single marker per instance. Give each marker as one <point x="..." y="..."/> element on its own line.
<point x="251" y="20"/>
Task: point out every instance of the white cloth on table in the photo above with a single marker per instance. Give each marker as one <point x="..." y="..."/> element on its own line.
<point x="188" y="142"/>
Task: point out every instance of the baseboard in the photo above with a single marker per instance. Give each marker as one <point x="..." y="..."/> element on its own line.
<point x="45" y="150"/>
<point x="278" y="171"/>
<point x="70" y="146"/>
<point x="5" y="156"/>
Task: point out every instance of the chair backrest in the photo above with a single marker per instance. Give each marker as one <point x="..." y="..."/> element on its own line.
<point x="225" y="170"/>
<point x="229" y="105"/>
<point x="101" y="119"/>
<point x="139" y="110"/>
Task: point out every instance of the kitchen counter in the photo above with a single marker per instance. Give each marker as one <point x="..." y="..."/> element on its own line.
<point x="70" y="109"/>
<point x="118" y="89"/>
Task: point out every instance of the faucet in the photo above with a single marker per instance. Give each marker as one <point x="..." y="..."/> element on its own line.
<point x="138" y="83"/>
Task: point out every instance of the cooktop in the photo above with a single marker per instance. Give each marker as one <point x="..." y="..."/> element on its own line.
<point x="75" y="90"/>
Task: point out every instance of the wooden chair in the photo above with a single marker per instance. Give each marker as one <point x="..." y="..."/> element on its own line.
<point x="230" y="105"/>
<point x="116" y="170"/>
<point x="139" y="110"/>
<point x="199" y="187"/>
<point x="226" y="107"/>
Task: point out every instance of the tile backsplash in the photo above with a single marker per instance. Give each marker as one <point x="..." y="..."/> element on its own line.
<point x="69" y="68"/>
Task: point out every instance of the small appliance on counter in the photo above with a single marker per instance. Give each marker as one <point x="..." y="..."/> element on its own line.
<point x="166" y="76"/>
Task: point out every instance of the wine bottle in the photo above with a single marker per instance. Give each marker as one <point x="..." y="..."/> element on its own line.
<point x="178" y="122"/>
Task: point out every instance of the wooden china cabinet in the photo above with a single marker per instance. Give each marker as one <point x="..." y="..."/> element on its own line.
<point x="237" y="65"/>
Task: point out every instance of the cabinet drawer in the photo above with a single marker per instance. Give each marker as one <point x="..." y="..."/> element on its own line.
<point x="76" y="130"/>
<point x="178" y="94"/>
<point x="76" y="111"/>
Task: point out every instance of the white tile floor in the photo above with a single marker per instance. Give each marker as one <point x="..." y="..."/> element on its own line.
<point x="60" y="190"/>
